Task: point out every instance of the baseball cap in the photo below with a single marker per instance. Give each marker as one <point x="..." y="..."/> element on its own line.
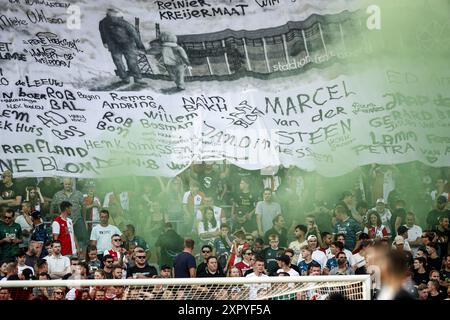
<point x="381" y="200"/>
<point x="165" y="266"/>
<point x="284" y="258"/>
<point x="311" y="237"/>
<point x="399" y="240"/>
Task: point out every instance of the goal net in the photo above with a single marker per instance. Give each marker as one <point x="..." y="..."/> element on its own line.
<point x="267" y="288"/>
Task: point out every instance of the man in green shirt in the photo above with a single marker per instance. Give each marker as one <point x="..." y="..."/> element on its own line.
<point x="10" y="236"/>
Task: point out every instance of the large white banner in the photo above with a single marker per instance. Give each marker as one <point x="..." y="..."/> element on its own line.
<point x="100" y="88"/>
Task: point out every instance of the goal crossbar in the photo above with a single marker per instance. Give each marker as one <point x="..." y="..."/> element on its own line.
<point x="311" y="282"/>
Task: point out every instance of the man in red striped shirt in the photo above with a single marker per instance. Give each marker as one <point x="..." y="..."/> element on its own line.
<point x="247" y="262"/>
<point x="62" y="229"/>
<point x="116" y="251"/>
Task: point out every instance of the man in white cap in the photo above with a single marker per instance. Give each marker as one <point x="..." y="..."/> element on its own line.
<point x="401" y="244"/>
<point x="317" y="255"/>
<point x="398" y="243"/>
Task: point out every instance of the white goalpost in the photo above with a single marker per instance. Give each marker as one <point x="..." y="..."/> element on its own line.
<point x="355" y="287"/>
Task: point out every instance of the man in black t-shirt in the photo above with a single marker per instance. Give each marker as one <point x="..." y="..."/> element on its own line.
<point x="10" y="191"/>
<point x="212" y="269"/>
<point x="208" y="179"/>
<point x="443" y="232"/>
<point x="244" y="203"/>
<point x="244" y="200"/>
<point x="237" y="173"/>
<point x="420" y="274"/>
<point x="445" y="272"/>
<point x="398" y="218"/>
<point x="433" y="215"/>
<point x="169" y="244"/>
<point x="222" y="245"/>
<point x="108" y="261"/>
<point x="141" y="268"/>
<point x="207" y="252"/>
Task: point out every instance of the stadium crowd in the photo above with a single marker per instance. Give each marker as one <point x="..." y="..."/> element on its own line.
<point x="218" y="220"/>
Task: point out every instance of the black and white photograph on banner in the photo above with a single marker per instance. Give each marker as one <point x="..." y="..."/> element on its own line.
<point x="211" y="151"/>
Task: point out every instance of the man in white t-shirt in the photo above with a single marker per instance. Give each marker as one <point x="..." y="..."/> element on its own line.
<point x="193" y="199"/>
<point x="20" y="258"/>
<point x="26" y="223"/>
<point x="296" y="245"/>
<point x="358" y="260"/>
<point x="284" y="263"/>
<point x="414" y="233"/>
<point x="258" y="271"/>
<point x="101" y="234"/>
<point x="58" y="265"/>
<point x="192" y="202"/>
<point x="266" y="211"/>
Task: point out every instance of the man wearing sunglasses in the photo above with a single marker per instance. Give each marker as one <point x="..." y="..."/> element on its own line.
<point x="59" y="294"/>
<point x="207" y="252"/>
<point x="247" y="261"/>
<point x="212" y="269"/>
<point x="141" y="268"/>
<point x="101" y="233"/>
<point x="116" y="251"/>
<point x="108" y="262"/>
<point x="10" y="236"/>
